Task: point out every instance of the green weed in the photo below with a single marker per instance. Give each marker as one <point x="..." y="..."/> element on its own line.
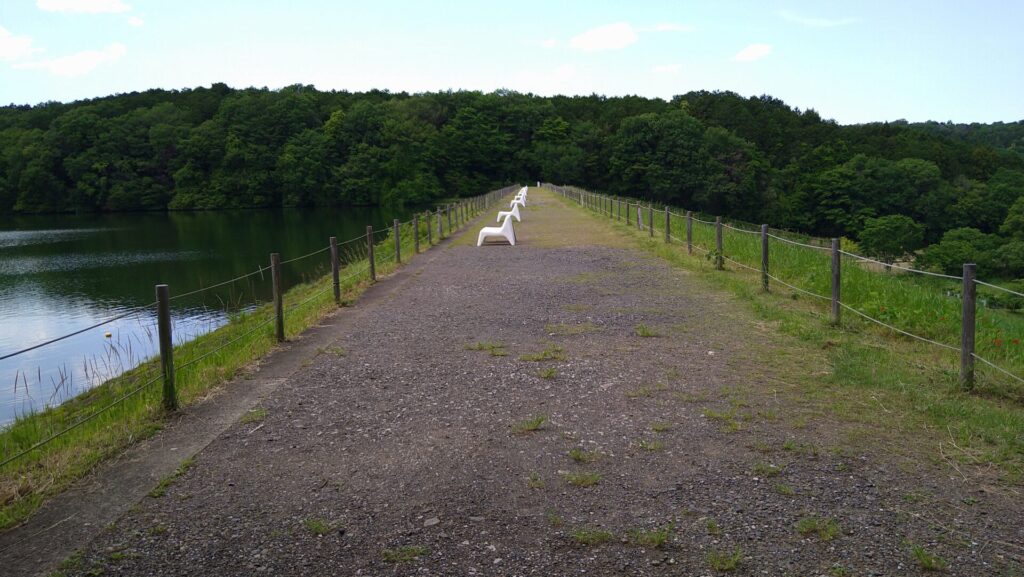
<point x="765" y="469"/>
<point x="529" y="425"/>
<point x="583" y="456"/>
<point x="253" y="416"/>
<point x="161" y="488"/>
<point x="495" y="349"/>
<point x="784" y="489"/>
<point x="582" y="478"/>
<point x="643" y="330"/>
<point x="535" y="481"/>
<point x="724" y="560"/>
<point x="653" y="538"/>
<point x="591" y="537"/>
<point x="552" y="353"/>
<point x="926" y="560"/>
<point x="317" y="526"/>
<point x="712" y="527"/>
<point x="826" y="529"/>
<point x="565" y="329"/>
<point x="404" y="554"/>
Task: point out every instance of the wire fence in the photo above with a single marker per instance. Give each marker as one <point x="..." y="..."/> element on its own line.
<point x="384" y="244"/>
<point x="928" y="312"/>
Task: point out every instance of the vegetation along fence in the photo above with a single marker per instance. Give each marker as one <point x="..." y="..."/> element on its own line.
<point x="126" y="407"/>
<point x="961" y="314"/>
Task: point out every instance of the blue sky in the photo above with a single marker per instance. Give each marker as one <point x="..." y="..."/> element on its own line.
<point x="852" y="61"/>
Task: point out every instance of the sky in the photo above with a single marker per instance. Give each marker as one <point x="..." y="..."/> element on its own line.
<point x="853" y="61"/>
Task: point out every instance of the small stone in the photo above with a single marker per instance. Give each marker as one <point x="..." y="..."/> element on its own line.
<point x="476" y="519"/>
<point x="497" y="561"/>
<point x="431" y="522"/>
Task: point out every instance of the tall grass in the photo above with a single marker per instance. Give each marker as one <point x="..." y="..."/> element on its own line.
<point x="103" y="421"/>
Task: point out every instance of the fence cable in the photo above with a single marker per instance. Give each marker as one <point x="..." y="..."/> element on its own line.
<point x="79" y="331"/>
<point x="223" y="345"/>
<point x="901" y="331"/>
<point x="903" y="268"/>
<point x="730" y="227"/>
<point x="997" y="287"/>
<point x="81" y="421"/>
<point x="315" y="252"/>
<point x="323" y="292"/>
<point x="997" y="367"/>
<point x="258" y="271"/>
<point x="803" y="244"/>
<point x="798" y="289"/>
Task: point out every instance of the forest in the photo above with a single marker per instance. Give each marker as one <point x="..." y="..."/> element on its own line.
<point x="896" y="188"/>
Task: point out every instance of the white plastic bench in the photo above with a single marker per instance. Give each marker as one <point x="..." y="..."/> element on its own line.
<point x="505" y="231"/>
<point x="517" y="200"/>
<point x="514" y="212"/>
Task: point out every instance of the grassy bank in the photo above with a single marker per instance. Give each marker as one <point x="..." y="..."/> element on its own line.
<point x="877" y="380"/>
<point x="102" y="422"/>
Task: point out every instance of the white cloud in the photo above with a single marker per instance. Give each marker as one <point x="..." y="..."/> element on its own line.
<point x="753" y="52"/>
<point x="610" y="37"/>
<point x="78" y="64"/>
<point x="83" y="6"/>
<point x="816" y="22"/>
<point x="135" y="21"/>
<point x="667" y="69"/>
<point x="549" y="43"/>
<point x="673" y="27"/>
<point x="15" y="47"/>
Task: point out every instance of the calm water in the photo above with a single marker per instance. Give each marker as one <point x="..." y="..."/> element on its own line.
<point x="62" y="273"/>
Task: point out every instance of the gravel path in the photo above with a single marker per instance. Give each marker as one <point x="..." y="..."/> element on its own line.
<point x="398" y="441"/>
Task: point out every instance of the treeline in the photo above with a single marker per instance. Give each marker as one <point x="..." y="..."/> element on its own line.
<point x="754" y="159"/>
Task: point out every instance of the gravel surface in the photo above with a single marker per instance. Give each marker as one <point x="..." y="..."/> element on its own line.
<point x="399" y="442"/>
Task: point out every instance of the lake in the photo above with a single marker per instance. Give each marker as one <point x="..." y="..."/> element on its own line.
<point x="63" y="273"/>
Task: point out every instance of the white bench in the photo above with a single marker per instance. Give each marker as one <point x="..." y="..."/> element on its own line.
<point x="514" y="212"/>
<point x="505" y="231"/>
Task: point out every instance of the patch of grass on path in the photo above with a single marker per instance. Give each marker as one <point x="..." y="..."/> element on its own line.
<point x="404" y="554"/>
<point x="529" y="425"/>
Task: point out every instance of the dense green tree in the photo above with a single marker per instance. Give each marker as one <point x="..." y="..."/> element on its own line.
<point x="960" y="246"/>
<point x="891" y="237"/>
<point x="750" y="158"/>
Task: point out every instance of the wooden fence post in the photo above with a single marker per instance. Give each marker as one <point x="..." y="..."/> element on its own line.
<point x="689" y="232"/>
<point x="449" y="219"/>
<point x="430" y="235"/>
<point x="275" y="275"/>
<point x="764" y="257"/>
<point x="719" y="245"/>
<point x="668" y="226"/>
<point x="335" y="264"/>
<point x="967" y="328"/>
<point x="369" y="253"/>
<point x="619" y="208"/>
<point x="639" y="217"/>
<point x="163" y="319"/>
<point x="416" y="233"/>
<point x="398" y="242"/>
<point x="836" y="281"/>
<point x="650" y="220"/>
<point x="440" y="227"/>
